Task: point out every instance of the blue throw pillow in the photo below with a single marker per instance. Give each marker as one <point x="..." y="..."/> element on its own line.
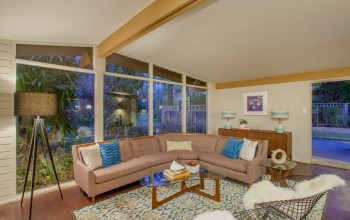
<point x="110" y="153"/>
<point x="232" y="148"/>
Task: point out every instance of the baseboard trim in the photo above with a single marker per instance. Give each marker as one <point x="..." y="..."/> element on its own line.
<point x="40" y="191"/>
<point x="331" y="164"/>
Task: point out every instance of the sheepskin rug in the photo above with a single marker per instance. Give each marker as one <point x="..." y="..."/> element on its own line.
<point x="265" y="191"/>
<point x="218" y="215"/>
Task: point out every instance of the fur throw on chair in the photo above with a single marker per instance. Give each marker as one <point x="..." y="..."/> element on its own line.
<point x="265" y="191"/>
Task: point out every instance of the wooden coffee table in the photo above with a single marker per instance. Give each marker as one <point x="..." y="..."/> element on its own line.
<point x="158" y="180"/>
<point x="279" y="172"/>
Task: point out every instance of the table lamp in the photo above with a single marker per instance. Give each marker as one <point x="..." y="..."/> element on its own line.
<point x="279" y="114"/>
<point x="36" y="104"/>
<point x="228" y="114"/>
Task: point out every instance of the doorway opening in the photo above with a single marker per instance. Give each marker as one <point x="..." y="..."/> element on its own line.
<point x="331" y="123"/>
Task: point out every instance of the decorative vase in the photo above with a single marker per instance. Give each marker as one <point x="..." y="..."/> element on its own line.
<point x="281" y="160"/>
<point x="242" y="125"/>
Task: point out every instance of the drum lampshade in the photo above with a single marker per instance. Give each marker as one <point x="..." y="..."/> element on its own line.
<point x="35" y="104"/>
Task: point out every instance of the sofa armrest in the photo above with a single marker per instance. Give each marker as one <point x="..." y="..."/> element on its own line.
<point x="254" y="170"/>
<point x="84" y="177"/>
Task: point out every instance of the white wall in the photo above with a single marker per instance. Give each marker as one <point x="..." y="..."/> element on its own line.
<point x="7" y="123"/>
<point x="293" y="96"/>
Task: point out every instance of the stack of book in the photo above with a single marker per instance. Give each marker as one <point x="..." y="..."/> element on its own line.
<point x="176" y="175"/>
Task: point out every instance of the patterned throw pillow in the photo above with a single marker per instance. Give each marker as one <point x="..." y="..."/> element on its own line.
<point x="232" y="148"/>
<point x="110" y="153"/>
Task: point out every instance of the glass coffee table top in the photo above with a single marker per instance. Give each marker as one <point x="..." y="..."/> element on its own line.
<point x="158" y="179"/>
<point x="288" y="165"/>
<point x="279" y="172"/>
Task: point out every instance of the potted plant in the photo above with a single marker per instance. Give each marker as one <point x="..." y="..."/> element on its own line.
<point x="242" y="123"/>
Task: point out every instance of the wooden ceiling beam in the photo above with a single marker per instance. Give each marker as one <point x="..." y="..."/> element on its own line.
<point x="153" y="16"/>
<point x="309" y="76"/>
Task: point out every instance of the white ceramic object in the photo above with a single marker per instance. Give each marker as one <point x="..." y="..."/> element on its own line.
<point x="191" y="169"/>
<point x="176" y="166"/>
<point x="283" y="158"/>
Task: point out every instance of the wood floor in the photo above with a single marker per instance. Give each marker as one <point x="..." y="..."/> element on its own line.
<point x="49" y="206"/>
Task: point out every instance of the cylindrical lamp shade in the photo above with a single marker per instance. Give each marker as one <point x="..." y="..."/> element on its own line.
<point x="35" y="104"/>
<point x="228" y="114"/>
<point x="279" y="113"/>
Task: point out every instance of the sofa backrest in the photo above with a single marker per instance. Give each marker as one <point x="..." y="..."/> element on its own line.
<point x="262" y="145"/>
<point x="144" y="145"/>
<point x="126" y="152"/>
<point x="200" y="142"/>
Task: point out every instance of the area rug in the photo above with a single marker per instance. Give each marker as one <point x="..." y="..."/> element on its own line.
<point x="136" y="204"/>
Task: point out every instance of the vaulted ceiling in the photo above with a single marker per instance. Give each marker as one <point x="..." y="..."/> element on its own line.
<point x="65" y="21"/>
<point x="219" y="41"/>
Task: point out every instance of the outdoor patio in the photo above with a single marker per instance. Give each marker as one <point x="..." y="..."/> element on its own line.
<point x="331" y="144"/>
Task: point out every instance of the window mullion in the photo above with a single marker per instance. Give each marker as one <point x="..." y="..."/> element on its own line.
<point x="184" y="104"/>
<point x="150" y="100"/>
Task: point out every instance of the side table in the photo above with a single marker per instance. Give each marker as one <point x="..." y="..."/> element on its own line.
<point x="279" y="172"/>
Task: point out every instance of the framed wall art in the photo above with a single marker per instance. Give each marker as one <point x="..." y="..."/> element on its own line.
<point x="255" y="103"/>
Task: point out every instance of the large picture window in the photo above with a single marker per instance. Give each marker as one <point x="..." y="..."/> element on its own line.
<point x="80" y="57"/>
<point x="196" y="110"/>
<point x="167" y="117"/>
<point x="116" y="63"/>
<point x="74" y="123"/>
<point x="125" y="108"/>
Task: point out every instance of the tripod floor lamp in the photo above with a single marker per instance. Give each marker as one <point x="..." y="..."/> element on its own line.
<point x="36" y="104"/>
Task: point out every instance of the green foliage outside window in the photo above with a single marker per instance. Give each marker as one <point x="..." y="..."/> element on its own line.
<point x="68" y="86"/>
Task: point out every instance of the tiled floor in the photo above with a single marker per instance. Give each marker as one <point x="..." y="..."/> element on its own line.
<point x="50" y="206"/>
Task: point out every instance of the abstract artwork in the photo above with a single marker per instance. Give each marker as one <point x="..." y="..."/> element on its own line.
<point x="255" y="103"/>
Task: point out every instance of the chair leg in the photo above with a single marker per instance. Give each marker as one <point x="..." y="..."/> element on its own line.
<point x="247" y="185"/>
<point x="93" y="200"/>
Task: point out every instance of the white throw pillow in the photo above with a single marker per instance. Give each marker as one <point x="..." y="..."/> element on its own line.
<point x="92" y="156"/>
<point x="179" y="145"/>
<point x="248" y="150"/>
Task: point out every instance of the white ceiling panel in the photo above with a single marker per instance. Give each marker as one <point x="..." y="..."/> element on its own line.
<point x="232" y="40"/>
<point x="65" y="21"/>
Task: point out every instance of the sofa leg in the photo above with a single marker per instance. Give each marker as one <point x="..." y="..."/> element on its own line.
<point x="247" y="185"/>
<point x="93" y="200"/>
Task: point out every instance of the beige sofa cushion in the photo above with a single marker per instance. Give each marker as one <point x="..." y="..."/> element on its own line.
<point x="159" y="158"/>
<point x="162" y="138"/>
<point x="260" y="147"/>
<point x="120" y="169"/>
<point x="187" y="155"/>
<point x="144" y="145"/>
<point x="204" y="142"/>
<point x="221" y="144"/>
<point x="179" y="145"/>
<point x="222" y="161"/>
<point x="125" y="149"/>
<point x="200" y="142"/>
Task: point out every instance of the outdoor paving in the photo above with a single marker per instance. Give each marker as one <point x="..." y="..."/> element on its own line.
<point x="331" y="150"/>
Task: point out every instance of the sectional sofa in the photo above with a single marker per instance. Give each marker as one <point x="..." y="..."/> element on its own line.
<point x="146" y="155"/>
